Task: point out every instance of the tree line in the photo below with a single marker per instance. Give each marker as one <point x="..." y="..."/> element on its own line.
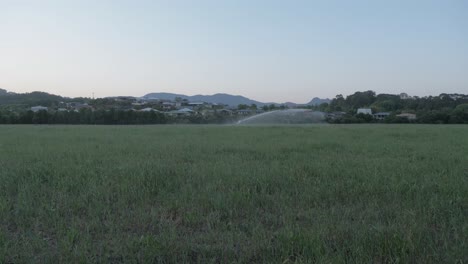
<point x="442" y="109"/>
<point x="84" y="116"/>
<point x="108" y="117"/>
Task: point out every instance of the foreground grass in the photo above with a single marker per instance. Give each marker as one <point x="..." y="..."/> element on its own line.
<point x="334" y="194"/>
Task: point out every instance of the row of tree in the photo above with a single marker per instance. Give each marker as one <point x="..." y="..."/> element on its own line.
<point x="442" y="109"/>
<point x="84" y="116"/>
<point x="459" y="115"/>
<point x="390" y="102"/>
<point x="108" y="117"/>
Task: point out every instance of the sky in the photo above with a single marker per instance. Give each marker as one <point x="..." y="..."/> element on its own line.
<point x="267" y="50"/>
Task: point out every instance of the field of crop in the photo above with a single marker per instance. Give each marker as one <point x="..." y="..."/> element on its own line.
<point x="222" y="194"/>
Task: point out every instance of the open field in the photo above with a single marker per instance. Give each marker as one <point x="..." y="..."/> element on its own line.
<point x="217" y="194"/>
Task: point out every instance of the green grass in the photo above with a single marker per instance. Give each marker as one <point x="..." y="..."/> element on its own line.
<point x="222" y="194"/>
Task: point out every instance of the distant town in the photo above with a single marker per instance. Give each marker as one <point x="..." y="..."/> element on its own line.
<point x="360" y="107"/>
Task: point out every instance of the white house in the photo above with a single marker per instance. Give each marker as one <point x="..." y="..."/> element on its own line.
<point x="39" y="108"/>
<point x="149" y="109"/>
<point x="185" y="110"/>
<point x="366" y="111"/>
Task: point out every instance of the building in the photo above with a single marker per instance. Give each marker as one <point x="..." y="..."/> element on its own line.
<point x="82" y="106"/>
<point x="148" y="109"/>
<point x="407" y="116"/>
<point x="381" y="115"/>
<point x="181" y="112"/>
<point x="77" y="106"/>
<point x="366" y="111"/>
<point x="225" y="112"/>
<point x="336" y="115"/>
<point x="244" y="112"/>
<point x="39" y="108"/>
<point x="168" y="105"/>
<point x="196" y="104"/>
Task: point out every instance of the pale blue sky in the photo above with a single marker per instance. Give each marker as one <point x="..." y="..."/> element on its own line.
<point x="268" y="50"/>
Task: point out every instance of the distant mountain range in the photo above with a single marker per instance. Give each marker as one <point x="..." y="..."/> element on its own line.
<point x="35" y="98"/>
<point x="227" y="99"/>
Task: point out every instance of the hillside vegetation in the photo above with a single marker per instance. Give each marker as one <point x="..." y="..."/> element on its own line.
<point x="21" y="101"/>
<point x="442" y="109"/>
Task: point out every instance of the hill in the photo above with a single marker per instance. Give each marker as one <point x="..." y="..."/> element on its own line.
<point x="219" y="98"/>
<point x="29" y="99"/>
<point x="318" y="101"/>
<point x="46" y="99"/>
<point x="222" y="98"/>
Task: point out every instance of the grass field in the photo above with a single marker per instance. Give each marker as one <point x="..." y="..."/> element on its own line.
<point x="222" y="194"/>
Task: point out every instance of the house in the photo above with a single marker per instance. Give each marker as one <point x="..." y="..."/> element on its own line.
<point x="181" y="112"/>
<point x="82" y="106"/>
<point x="196" y="103"/>
<point x="381" y="115"/>
<point x="39" y="108"/>
<point x="244" y="112"/>
<point x="77" y="106"/>
<point x="366" y="111"/>
<point x="407" y="116"/>
<point x="186" y="110"/>
<point x="218" y="106"/>
<point x="224" y="112"/>
<point x="206" y="112"/>
<point x="336" y="115"/>
<point x="148" y="109"/>
<point x="168" y="105"/>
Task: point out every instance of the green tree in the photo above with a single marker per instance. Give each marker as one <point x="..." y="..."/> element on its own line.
<point x="242" y="106"/>
<point x="360" y="99"/>
<point x="338" y="103"/>
<point x="460" y="114"/>
<point x="41" y="117"/>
